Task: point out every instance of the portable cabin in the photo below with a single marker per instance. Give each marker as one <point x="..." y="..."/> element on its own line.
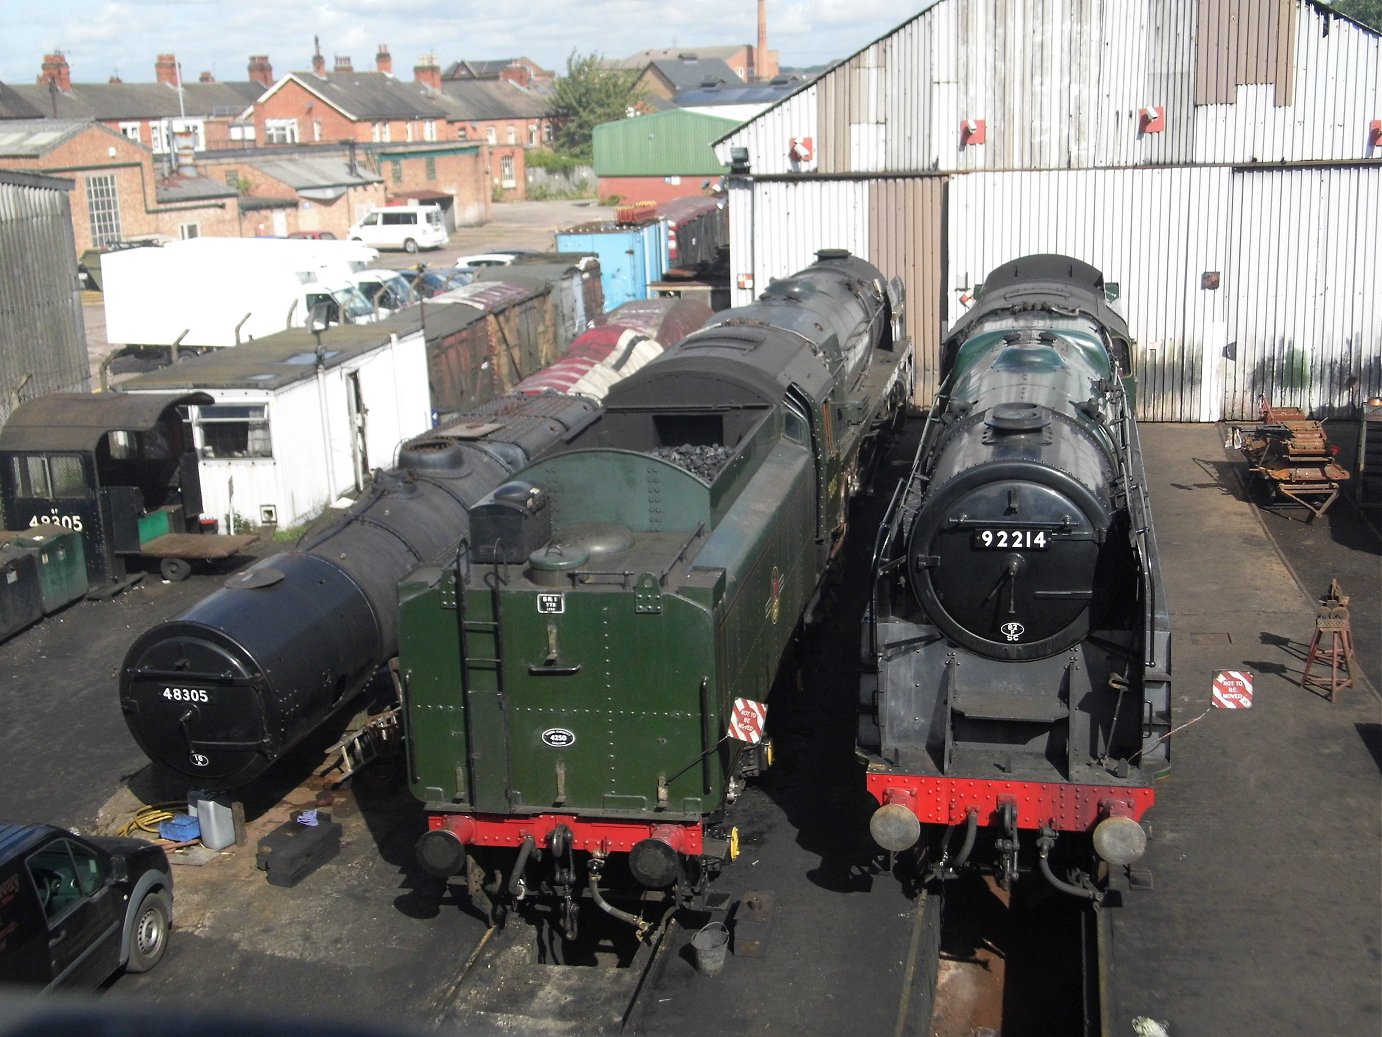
<point x="632" y="255"/>
<point x="291" y="422"/>
<point x="118" y="469"/>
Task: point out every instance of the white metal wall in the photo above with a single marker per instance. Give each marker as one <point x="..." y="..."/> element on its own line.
<point x="1060" y="84"/>
<point x="1305" y="291"/>
<point x="1234" y="282"/>
<point x="310" y="425"/>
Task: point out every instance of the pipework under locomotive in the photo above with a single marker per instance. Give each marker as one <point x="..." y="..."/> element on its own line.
<point x="1017" y="650"/>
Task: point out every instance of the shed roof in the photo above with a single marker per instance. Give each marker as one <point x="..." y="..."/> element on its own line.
<point x="77" y="421"/>
<point x="34" y="138"/>
<point x="274" y="361"/>
<point x="307" y="174"/>
<point x="674" y="142"/>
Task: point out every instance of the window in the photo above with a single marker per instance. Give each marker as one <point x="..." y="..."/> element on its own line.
<point x="490" y="136"/>
<point x="233" y="430"/>
<point x="547" y="132"/>
<point x="506" y="177"/>
<point x="429" y="129"/>
<point x="396" y="171"/>
<point x="431" y="167"/>
<point x="103" y="206"/>
<point x="461" y="133"/>
<point x="187" y="231"/>
<point x="532" y="134"/>
<point x="512" y="135"/>
<point x="408" y="131"/>
<point x="381" y="132"/>
<point x="48" y="477"/>
<point x="65" y="874"/>
<point x="233" y="178"/>
<point x="158" y="138"/>
<point x="130" y="130"/>
<point x="280" y="131"/>
<point x="317" y="131"/>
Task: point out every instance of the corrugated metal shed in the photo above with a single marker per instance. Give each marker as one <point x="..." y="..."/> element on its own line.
<point x="1066" y="84"/>
<point x="42" y="337"/>
<point x="1238" y="229"/>
<point x="671" y="143"/>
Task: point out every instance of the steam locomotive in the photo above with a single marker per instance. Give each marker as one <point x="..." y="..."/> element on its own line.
<point x="221" y="692"/>
<point x="1016" y="686"/>
<point x="581" y="681"/>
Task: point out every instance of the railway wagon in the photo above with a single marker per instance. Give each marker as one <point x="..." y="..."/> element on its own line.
<point x="571" y="676"/>
<point x="1016" y="688"/>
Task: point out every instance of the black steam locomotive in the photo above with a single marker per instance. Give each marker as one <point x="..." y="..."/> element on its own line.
<point x="583" y="683"/>
<point x="221" y="692"/>
<point x="1017" y="664"/>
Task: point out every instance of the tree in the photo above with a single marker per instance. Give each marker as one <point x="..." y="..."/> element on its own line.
<point x="589" y="94"/>
<point x="1369" y="12"/>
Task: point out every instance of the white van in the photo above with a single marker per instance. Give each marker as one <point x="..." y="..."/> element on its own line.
<point x="409" y="227"/>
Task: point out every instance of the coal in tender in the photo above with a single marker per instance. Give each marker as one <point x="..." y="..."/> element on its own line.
<point x="703" y="461"/>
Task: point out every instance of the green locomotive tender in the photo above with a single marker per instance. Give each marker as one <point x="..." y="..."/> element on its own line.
<point x="570" y="680"/>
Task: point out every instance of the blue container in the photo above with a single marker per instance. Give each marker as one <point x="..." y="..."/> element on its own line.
<point x="632" y="256"/>
<point x="180" y="828"/>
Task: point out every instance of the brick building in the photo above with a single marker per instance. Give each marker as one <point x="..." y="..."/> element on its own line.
<point x="118" y="193"/>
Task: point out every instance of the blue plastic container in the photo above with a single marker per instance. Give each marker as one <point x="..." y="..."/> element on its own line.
<point x="180" y="828"/>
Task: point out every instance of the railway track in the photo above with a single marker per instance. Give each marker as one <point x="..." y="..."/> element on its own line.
<point x="506" y="986"/>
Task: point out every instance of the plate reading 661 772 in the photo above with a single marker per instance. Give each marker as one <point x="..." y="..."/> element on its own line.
<point x="1011" y="539"/>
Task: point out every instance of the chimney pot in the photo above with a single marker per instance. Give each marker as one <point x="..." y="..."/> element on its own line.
<point x="383" y="61"/>
<point x="57" y="72"/>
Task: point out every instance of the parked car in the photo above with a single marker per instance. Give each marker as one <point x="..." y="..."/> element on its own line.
<point x="494" y="258"/>
<point x="313" y="235"/>
<point x="387" y="290"/>
<point x="428" y="282"/>
<point x="409" y="227"/>
<point x="75" y="910"/>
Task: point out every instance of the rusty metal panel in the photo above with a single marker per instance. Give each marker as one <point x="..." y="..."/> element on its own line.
<point x="40" y="301"/>
<point x="906" y="237"/>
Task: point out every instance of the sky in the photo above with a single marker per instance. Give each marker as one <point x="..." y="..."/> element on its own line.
<point x="103" y="38"/>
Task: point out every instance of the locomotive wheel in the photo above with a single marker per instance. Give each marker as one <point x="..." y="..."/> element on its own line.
<point x="175" y="570"/>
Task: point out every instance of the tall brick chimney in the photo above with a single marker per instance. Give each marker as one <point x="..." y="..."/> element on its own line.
<point x="343" y="65"/>
<point x="428" y="72"/>
<point x="318" y="62"/>
<point x="260" y="70"/>
<point x="383" y="61"/>
<point x="55" y="71"/>
<point x="760" y="53"/>
<point x="166" y="70"/>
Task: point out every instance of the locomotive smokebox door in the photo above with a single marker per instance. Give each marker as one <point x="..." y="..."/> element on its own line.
<point x="511" y="523"/>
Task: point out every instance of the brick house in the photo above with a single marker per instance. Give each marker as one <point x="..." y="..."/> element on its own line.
<point x="118" y="192"/>
<point x="297" y="189"/>
<point x="203" y="114"/>
<point x="524" y="72"/>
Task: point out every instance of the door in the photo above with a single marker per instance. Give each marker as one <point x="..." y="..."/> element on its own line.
<point x="82" y="912"/>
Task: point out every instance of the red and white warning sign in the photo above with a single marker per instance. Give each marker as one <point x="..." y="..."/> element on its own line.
<point x="1233" y="689"/>
<point x="747" y="722"/>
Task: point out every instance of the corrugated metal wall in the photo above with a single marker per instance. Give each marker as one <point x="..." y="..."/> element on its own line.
<point x="1235" y="282"/>
<point x="42" y="337"/>
<point x="1305" y="289"/>
<point x="1245" y="86"/>
<point x="1060" y="84"/>
<point x="896" y="223"/>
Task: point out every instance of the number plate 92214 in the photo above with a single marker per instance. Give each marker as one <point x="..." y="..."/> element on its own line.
<point x="1012" y="539"/>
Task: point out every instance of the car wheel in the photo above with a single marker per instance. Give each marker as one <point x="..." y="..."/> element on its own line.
<point x="149" y="934"/>
<point x="410" y="245"/>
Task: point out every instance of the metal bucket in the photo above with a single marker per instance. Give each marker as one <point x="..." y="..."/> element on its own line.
<point x="709" y="947"/>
